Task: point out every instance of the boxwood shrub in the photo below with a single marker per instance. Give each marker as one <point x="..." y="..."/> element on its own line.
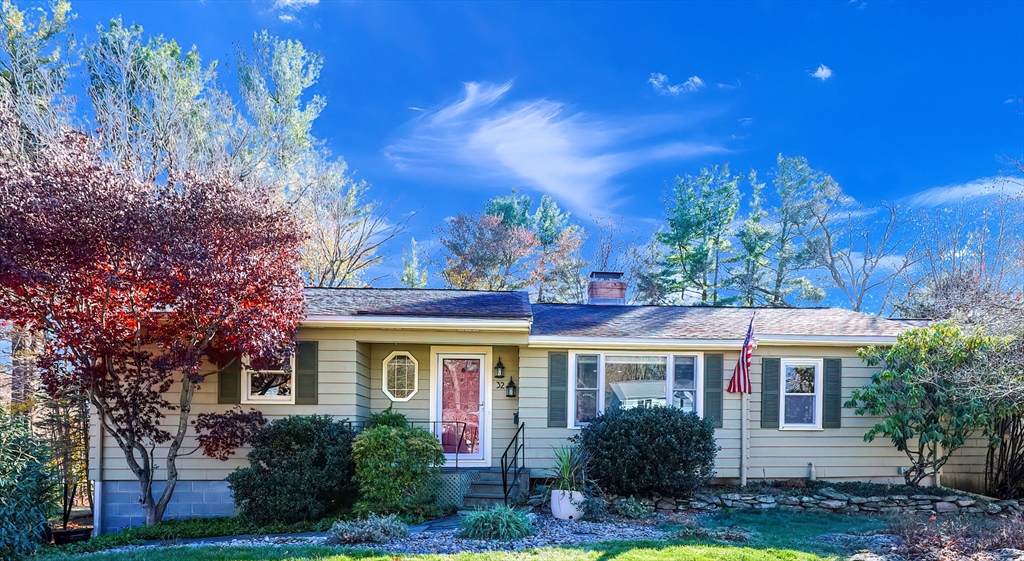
<point x="398" y="472"/>
<point x="300" y="468"/>
<point x="650" y="451"/>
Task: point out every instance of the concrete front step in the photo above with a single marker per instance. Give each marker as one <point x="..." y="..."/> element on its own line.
<point x="482" y="500"/>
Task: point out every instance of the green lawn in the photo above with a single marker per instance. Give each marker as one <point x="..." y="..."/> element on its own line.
<point x="775" y="536"/>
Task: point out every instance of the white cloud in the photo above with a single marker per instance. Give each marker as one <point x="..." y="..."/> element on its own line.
<point x="952" y="194"/>
<point x="294" y="4"/>
<point x="745" y="121"/>
<point x="823" y="72"/>
<point x="287" y="18"/>
<point x="539" y="144"/>
<point x="661" y="85"/>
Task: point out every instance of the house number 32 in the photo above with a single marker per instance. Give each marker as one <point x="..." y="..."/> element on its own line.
<point x="501" y="385"/>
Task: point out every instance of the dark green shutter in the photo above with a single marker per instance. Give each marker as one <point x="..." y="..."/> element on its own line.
<point x="307" y="358"/>
<point x="832" y="416"/>
<point x="229" y="382"/>
<point x="713" y="388"/>
<point x="770" y="368"/>
<point x="558" y="389"/>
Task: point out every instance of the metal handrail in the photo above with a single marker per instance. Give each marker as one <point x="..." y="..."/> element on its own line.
<point x="435" y="428"/>
<point x="517" y="463"/>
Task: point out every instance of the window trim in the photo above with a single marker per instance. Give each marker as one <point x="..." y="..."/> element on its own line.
<point x="266" y="400"/>
<point x="384" y="376"/>
<point x="819" y="379"/>
<point x="669" y="378"/>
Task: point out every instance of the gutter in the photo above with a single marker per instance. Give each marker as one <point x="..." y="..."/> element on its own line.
<point x="389" y="322"/>
<point x="549" y="341"/>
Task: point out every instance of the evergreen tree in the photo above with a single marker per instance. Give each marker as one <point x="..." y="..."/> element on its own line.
<point x="413" y="276"/>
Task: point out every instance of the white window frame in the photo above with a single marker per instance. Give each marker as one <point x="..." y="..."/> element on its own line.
<point x="384" y="376"/>
<point x="669" y="378"/>
<point x="819" y="371"/>
<point x="247" y="383"/>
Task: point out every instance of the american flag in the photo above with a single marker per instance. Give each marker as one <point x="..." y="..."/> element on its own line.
<point x="740" y="382"/>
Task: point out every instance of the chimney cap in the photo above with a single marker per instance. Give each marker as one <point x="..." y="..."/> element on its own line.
<point x="606" y="275"/>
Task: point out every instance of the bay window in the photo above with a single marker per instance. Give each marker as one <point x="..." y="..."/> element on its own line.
<point x="800" y="406"/>
<point x="602" y="381"/>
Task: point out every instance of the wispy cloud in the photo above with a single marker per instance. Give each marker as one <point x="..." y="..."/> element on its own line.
<point x="661" y="85"/>
<point x="539" y="144"/>
<point x="294" y="4"/>
<point x="952" y="194"/>
<point x="745" y="121"/>
<point x="823" y="73"/>
<point x="287" y="9"/>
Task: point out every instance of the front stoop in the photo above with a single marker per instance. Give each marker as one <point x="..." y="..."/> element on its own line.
<point x="486" y="491"/>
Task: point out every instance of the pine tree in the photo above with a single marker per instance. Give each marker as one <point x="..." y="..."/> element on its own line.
<point x="413" y="276"/>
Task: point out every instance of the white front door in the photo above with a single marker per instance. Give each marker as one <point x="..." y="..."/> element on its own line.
<point x="462" y="393"/>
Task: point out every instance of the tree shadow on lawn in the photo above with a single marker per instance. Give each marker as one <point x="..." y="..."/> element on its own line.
<point x="770" y="536"/>
<point x="684" y="550"/>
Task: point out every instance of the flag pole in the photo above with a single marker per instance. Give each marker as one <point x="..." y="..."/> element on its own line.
<point x="744" y="437"/>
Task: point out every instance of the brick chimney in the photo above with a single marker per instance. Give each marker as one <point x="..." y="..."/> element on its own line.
<point x="606" y="288"/>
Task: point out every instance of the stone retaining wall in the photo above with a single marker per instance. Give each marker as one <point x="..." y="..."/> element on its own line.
<point x="830" y="500"/>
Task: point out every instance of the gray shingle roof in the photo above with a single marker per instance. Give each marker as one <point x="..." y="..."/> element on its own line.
<point x="696" y="322"/>
<point x="417" y="303"/>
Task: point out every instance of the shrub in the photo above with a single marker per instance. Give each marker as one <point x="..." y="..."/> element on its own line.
<point x="372" y="529"/>
<point x="956" y="538"/>
<point x="650" y="451"/>
<point x="496" y="523"/>
<point x="398" y="472"/>
<point x="634" y="508"/>
<point x="300" y="469"/>
<point x="386" y="418"/>
<point x="26" y="487"/>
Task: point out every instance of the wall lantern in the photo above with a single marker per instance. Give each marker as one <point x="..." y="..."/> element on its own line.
<point x="510" y="389"/>
<point x="499" y="369"/>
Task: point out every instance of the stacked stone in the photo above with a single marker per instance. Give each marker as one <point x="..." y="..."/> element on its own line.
<point x="830" y="500"/>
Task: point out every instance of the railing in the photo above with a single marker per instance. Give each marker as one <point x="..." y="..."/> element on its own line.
<point x="516" y="464"/>
<point x="434" y="427"/>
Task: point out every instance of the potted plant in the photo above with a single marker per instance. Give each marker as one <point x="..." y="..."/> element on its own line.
<point x="569" y="483"/>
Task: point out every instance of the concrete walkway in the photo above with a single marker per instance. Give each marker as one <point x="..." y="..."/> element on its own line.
<point x="452" y="522"/>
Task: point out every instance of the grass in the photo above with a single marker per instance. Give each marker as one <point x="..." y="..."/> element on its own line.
<point x="190" y="528"/>
<point x="617" y="551"/>
<point x="775" y="536"/>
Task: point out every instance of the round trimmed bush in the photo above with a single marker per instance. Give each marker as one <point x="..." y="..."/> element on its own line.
<point x="650" y="450"/>
<point x="300" y="468"/>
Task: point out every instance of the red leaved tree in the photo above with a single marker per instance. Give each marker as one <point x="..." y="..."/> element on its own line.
<point x="139" y="286"/>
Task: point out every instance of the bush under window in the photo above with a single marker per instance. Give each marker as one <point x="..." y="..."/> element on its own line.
<point x="650" y="451"/>
<point x="398" y="472"/>
<point x="300" y="468"/>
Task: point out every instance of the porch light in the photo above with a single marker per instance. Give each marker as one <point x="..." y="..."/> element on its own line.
<point x="510" y="389"/>
<point x="499" y="369"/>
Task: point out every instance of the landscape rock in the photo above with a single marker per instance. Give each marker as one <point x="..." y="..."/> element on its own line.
<point x="833" y="505"/>
<point x="832" y="494"/>
<point x="944" y="507"/>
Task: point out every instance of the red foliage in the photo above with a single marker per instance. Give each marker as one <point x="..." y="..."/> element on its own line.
<point x="139" y="285"/>
<point x="220" y="434"/>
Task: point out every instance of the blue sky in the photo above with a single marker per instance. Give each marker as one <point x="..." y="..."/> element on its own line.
<point x="442" y="105"/>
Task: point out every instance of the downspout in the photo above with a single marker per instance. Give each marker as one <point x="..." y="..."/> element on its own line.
<point x="97" y="502"/>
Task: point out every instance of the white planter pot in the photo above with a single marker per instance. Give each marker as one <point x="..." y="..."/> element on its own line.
<point x="562" y="506"/>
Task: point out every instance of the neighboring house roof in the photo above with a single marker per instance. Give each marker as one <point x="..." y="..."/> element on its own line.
<point x="704" y="322"/>
<point x="403" y="302"/>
